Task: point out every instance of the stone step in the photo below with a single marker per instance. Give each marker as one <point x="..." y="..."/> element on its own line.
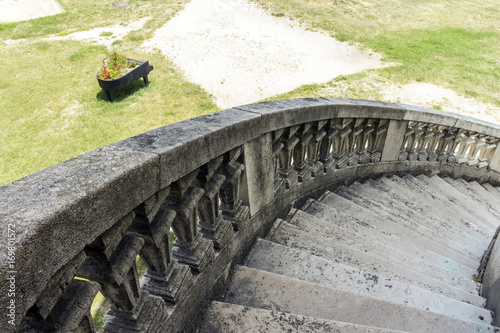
<point x="290" y="235"/>
<point x="383" y="248"/>
<point x="437" y="188"/>
<point x="445" y="190"/>
<point x="294" y="263"/>
<point x="399" y="207"/>
<point x="416" y="235"/>
<point x="233" y="318"/>
<point x="259" y="289"/>
<point x="435" y="207"/>
<point x="479" y="196"/>
<point x="389" y="212"/>
<point x="329" y="217"/>
<point x="493" y="191"/>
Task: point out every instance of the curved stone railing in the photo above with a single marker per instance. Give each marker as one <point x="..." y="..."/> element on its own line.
<point x="217" y="181"/>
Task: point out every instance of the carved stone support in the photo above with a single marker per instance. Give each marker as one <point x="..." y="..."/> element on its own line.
<point x="279" y="182"/>
<point x="408" y="137"/>
<point x="493" y="154"/>
<point x="454" y="143"/>
<point x="64" y="305"/>
<point x="445" y="147"/>
<point x="149" y="315"/>
<point x="464" y="147"/>
<point x="432" y="149"/>
<point x="314" y="153"/>
<point x="111" y="263"/>
<point x="354" y="139"/>
<point x="148" y="209"/>
<point x="213" y="227"/>
<point x="118" y="276"/>
<point x="414" y="142"/>
<point x="326" y="148"/>
<point x="164" y="276"/>
<point x="375" y="142"/>
<point x="300" y="156"/>
<point x="475" y="150"/>
<point x="341" y="143"/>
<point x="57" y="285"/>
<point x="486" y="151"/>
<point x="363" y="142"/>
<point x="441" y="147"/>
<point x="424" y="141"/>
<point x="232" y="208"/>
<point x="192" y="249"/>
<point x="286" y="170"/>
<point x="71" y="313"/>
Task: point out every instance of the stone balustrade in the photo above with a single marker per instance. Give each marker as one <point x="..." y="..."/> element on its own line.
<point x="217" y="181"/>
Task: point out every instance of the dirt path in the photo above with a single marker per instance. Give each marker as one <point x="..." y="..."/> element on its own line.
<point x="241" y="54"/>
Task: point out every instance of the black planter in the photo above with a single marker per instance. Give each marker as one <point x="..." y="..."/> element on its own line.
<point x="141" y="70"/>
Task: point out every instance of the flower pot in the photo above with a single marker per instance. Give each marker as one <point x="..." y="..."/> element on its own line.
<point x="141" y="70"/>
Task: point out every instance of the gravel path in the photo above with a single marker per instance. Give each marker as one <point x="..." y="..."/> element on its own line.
<point x="241" y="54"/>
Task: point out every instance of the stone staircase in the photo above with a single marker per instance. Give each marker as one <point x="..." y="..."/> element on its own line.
<point x="387" y="255"/>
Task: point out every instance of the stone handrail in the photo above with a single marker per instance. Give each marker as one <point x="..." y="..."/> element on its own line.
<point x="217" y="181"/>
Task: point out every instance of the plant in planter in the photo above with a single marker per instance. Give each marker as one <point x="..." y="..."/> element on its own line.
<point x="117" y="71"/>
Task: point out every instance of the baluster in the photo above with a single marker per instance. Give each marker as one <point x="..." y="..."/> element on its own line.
<point x="414" y="141"/>
<point x="300" y="151"/>
<point x="405" y="146"/>
<point x="149" y="316"/>
<point x="64" y="304"/>
<point x="164" y="276"/>
<point x="425" y="140"/>
<point x="475" y="150"/>
<point x="445" y="146"/>
<point x="441" y="147"/>
<point x="212" y="225"/>
<point x="487" y="151"/>
<point x="314" y="146"/>
<point x="232" y="206"/>
<point x="111" y="263"/>
<point x="326" y="147"/>
<point x="464" y="148"/>
<point x="363" y="141"/>
<point x="279" y="182"/>
<point x="286" y="170"/>
<point x="453" y="145"/>
<point x="435" y="144"/>
<point x="352" y="142"/>
<point x="191" y="249"/>
<point x="340" y="147"/>
<point x="376" y="139"/>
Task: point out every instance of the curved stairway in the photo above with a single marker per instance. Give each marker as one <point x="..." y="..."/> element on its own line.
<point x="391" y="255"/>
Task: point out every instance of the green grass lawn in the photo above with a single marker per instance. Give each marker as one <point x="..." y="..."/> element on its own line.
<point x="51" y="106"/>
<point x="454" y="44"/>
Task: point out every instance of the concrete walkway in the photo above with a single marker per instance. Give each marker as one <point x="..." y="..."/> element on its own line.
<point x="22" y="10"/>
